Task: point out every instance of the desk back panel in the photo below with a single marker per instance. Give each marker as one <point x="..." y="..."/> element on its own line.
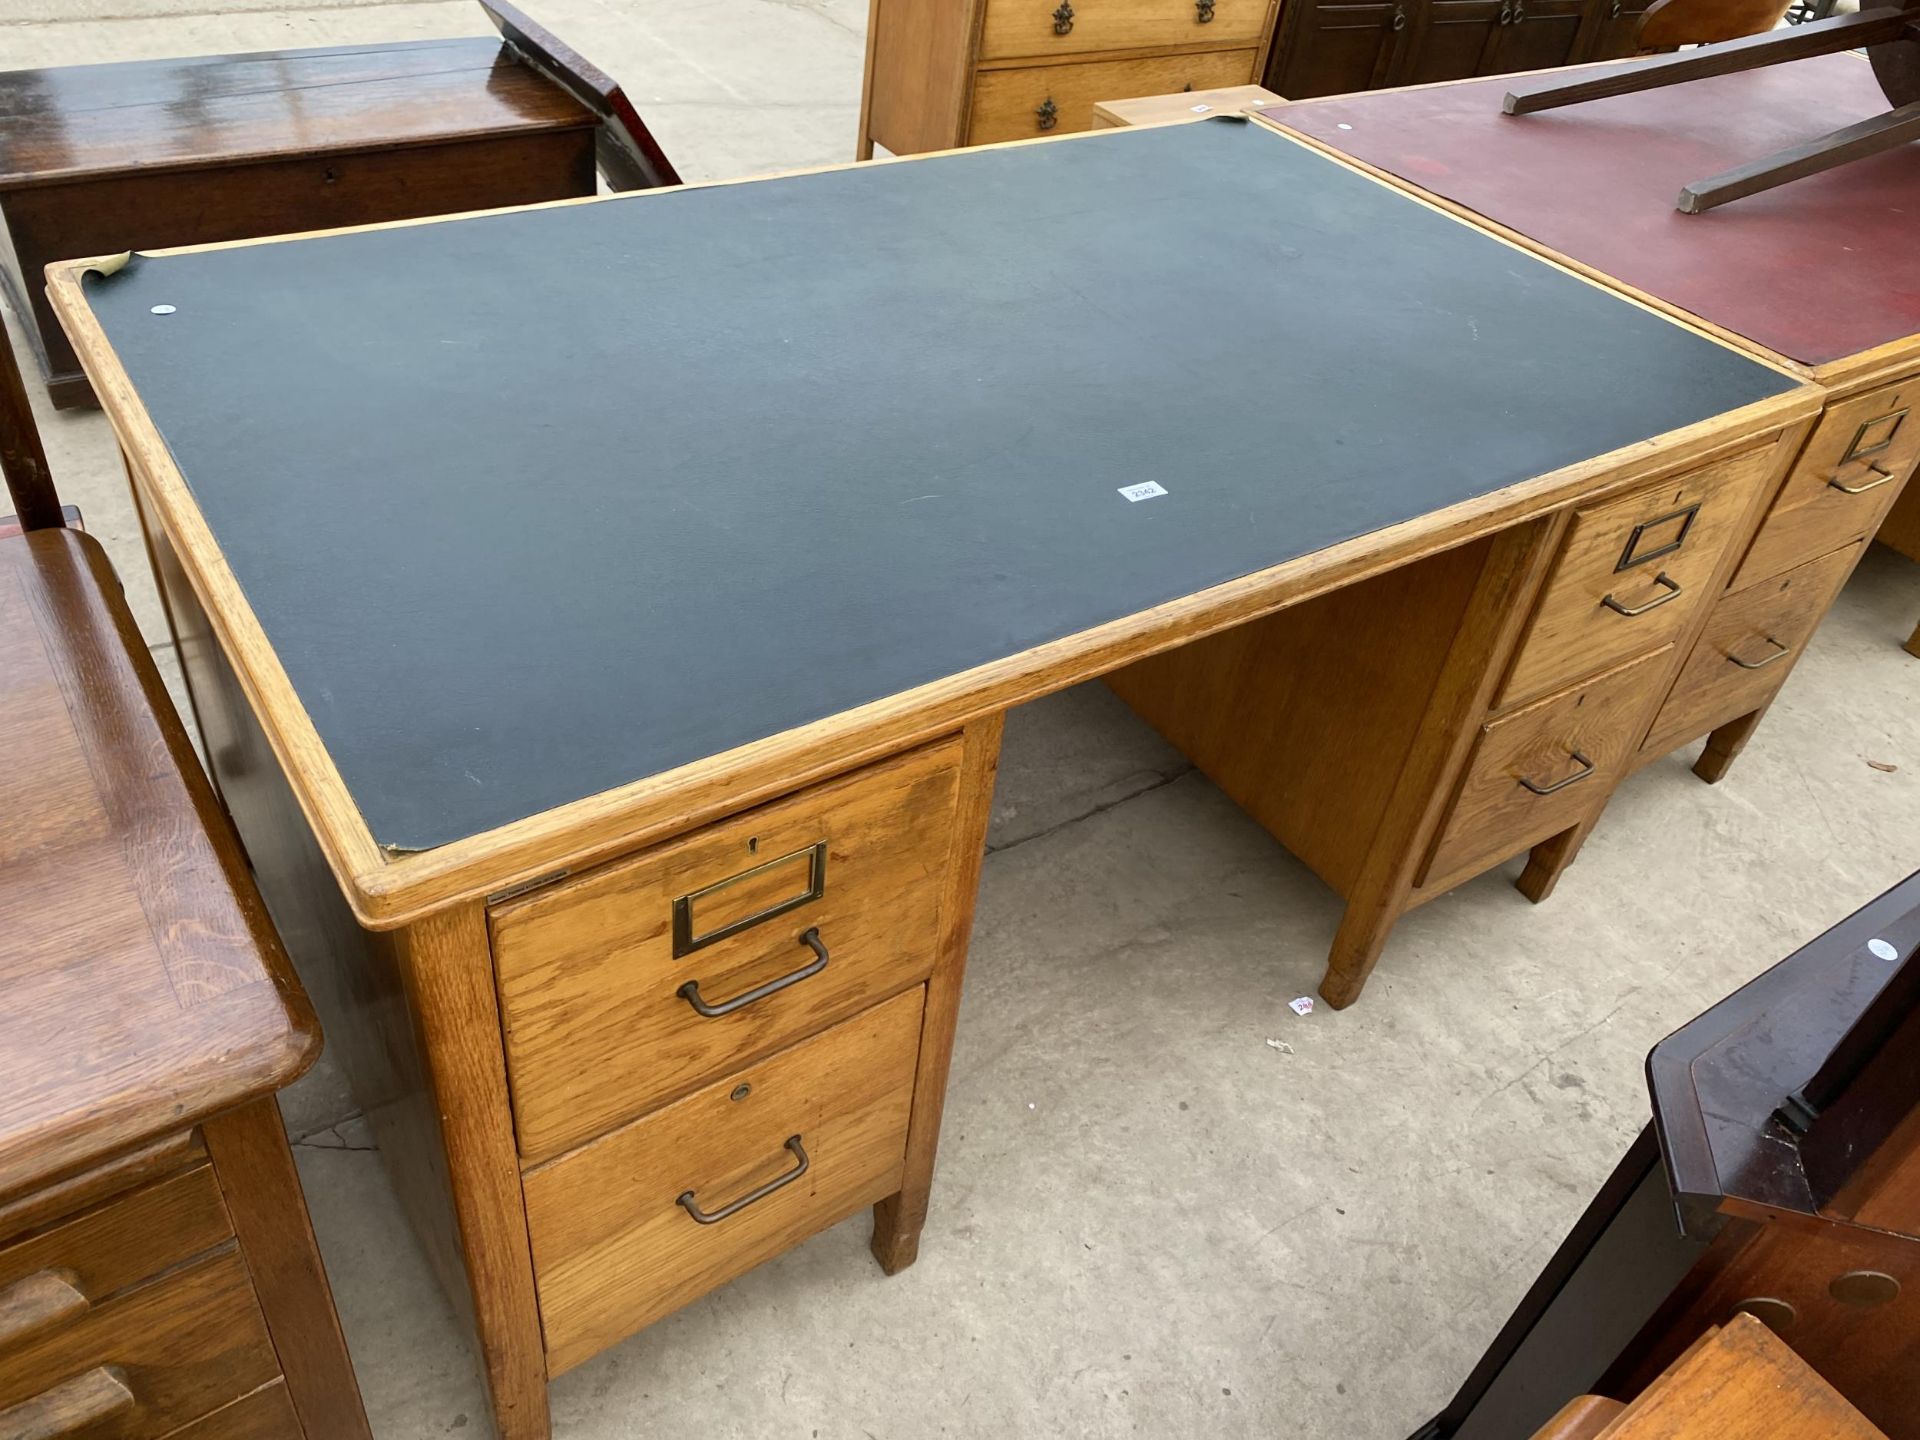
<point x="1824" y="268"/>
<point x="536" y="504"/>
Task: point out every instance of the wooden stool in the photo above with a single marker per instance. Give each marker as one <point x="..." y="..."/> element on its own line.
<point x="158" y="1274"/>
<point x="95" y="159"/>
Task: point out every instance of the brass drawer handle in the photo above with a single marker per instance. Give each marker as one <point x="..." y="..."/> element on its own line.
<point x="1049" y="113"/>
<point x="1780" y="652"/>
<point x="73" y="1407"/>
<point x="1063" y="19"/>
<point x="690" y="992"/>
<point x="35" y="1301"/>
<point x="1886" y="478"/>
<point x="1670" y="591"/>
<point x="686" y="1201"/>
<point x="1586" y="769"/>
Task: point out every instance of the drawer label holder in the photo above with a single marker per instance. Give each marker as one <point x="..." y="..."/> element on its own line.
<point x="686" y="940"/>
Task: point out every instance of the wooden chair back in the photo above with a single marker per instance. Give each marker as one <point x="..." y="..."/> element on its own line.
<point x="627" y="153"/>
<point x="22" y="457"/>
<point x="1669" y="23"/>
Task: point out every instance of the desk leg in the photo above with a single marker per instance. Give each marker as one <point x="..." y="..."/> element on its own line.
<point x="1551" y="857"/>
<point x="1913" y="642"/>
<point x="446" y="968"/>
<point x="1724" y="745"/>
<point x="863" y="142"/>
<point x="1487" y="633"/>
<point x="897" y="1220"/>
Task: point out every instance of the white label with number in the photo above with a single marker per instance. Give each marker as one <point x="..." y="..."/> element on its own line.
<point x="1145" y="490"/>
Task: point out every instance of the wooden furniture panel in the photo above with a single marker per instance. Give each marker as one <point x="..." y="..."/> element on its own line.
<point x="943" y="73"/>
<point x="594" y="976"/>
<point x="1184" y="106"/>
<point x="266" y="1414"/>
<point x="1027" y="28"/>
<point x="36" y="1209"/>
<point x="1582" y="1418"/>
<point x="1857" y="459"/>
<point x="1537" y="770"/>
<point x="181" y="1347"/>
<point x="1634" y="571"/>
<point x="51" y="1277"/>
<point x="1036" y="100"/>
<point x="637" y="1224"/>
<point x="1746" y="649"/>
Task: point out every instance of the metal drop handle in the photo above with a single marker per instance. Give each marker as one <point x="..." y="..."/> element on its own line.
<point x="1613" y="10"/>
<point x="1586" y="769"/>
<point x="1203" y="12"/>
<point x="1399" y="17"/>
<point x="1063" y="18"/>
<point x="1049" y="113"/>
<point x="686" y="1201"/>
<point x="1670" y="590"/>
<point x="690" y="992"/>
<point x="1780" y="652"/>
<point x="1886" y="478"/>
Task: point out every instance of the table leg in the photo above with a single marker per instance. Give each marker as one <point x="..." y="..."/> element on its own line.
<point x="1549" y="860"/>
<point x="1913" y="642"/>
<point x="898" y="1219"/>
<point x="1724" y="744"/>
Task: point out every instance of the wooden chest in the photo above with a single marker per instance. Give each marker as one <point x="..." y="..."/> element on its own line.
<point x="96" y="159"/>
<point x="945" y="73"/>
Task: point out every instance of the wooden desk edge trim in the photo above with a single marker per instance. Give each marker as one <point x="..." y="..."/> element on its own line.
<point x="387" y="891"/>
<point x="1840" y="377"/>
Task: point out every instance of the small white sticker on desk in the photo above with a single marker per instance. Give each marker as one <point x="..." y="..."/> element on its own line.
<point x="1200" y="109"/>
<point x="1145" y="490"/>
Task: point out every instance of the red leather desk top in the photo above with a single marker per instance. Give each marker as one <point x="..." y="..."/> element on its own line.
<point x="1817" y="270"/>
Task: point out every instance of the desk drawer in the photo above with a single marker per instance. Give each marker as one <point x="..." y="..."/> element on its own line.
<point x="600" y="1021"/>
<point x="1844" y="481"/>
<point x="1746" y="649"/>
<point x="817" y="1131"/>
<point x="55" y="1277"/>
<point x="144" y="1364"/>
<point x="1632" y="571"/>
<point x="1537" y="771"/>
<point x="1073" y="27"/>
<point x="1019" y="104"/>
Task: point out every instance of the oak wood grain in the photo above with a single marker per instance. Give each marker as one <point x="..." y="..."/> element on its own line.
<point x="615" y="1248"/>
<point x="256" y="1173"/>
<point x="266" y="1414"/>
<point x="36" y="1209"/>
<point x="1020" y="28"/>
<point x="184" y="1346"/>
<point x="597" y="1030"/>
<point x="110" y="1248"/>
<point x="1747" y="649"/>
<point x="1575" y="632"/>
<point x="1811" y="515"/>
<point x="143" y="985"/>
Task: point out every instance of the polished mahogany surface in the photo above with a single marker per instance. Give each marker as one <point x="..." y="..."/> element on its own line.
<point x="1817" y="270"/>
<point x="72" y="121"/>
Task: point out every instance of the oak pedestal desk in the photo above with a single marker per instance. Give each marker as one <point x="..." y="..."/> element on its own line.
<point x="1817" y="276"/>
<point x="632" y="862"/>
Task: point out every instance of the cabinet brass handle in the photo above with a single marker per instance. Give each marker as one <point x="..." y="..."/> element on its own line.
<point x="1613" y="10"/>
<point x="1669" y="590"/>
<point x="690" y="992"/>
<point x="73" y="1407"/>
<point x="1049" y="113"/>
<point x="686" y="1201"/>
<point x="1506" y="14"/>
<point x="1063" y="19"/>
<point x="1586" y="769"/>
<point x="1886" y="478"/>
<point x="1399" y="17"/>
<point x="1203" y="12"/>
<point x="1780" y="652"/>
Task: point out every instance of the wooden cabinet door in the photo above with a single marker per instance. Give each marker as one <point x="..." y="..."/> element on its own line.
<point x="1330" y="49"/>
<point x="1453" y="40"/>
<point x="1613" y="30"/>
<point x="1535" y="35"/>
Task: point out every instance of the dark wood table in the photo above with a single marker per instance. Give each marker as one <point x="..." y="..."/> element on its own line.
<point x="102" y="158"/>
<point x="1779" y="1177"/>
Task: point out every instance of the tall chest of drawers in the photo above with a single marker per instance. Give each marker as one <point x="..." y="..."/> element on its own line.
<point x="946" y="73"/>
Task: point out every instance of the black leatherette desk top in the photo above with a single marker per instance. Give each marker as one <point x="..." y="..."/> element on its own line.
<point x="534" y="505"/>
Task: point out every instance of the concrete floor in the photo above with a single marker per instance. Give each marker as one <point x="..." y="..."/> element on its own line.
<point x="1148" y="1219"/>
